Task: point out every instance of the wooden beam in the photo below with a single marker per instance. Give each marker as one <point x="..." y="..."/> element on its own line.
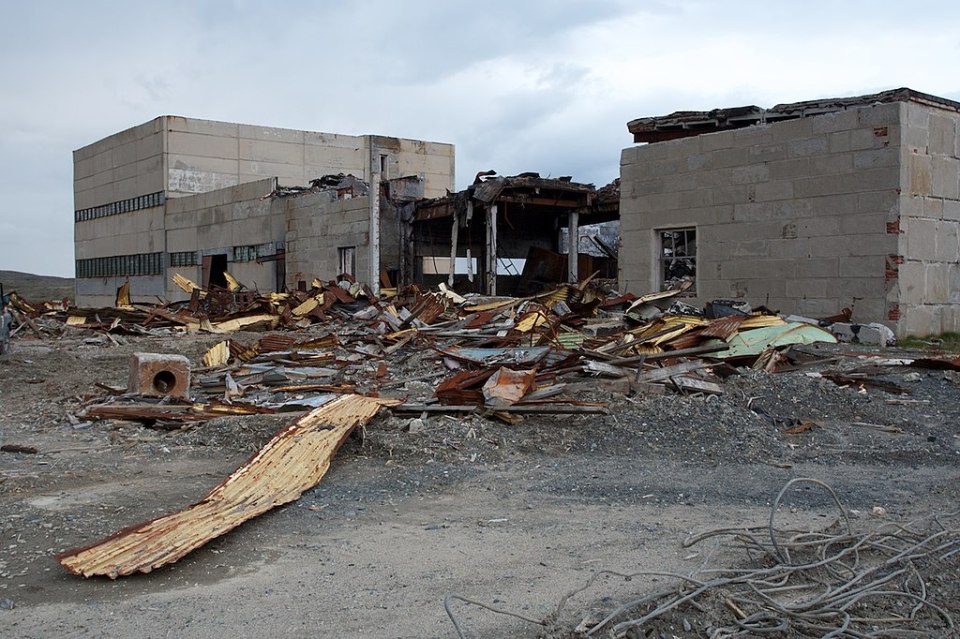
<point x="491" y="265"/>
<point x="573" y="247"/>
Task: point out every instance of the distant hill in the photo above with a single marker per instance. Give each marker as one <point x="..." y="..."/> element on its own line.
<point x="37" y="288"/>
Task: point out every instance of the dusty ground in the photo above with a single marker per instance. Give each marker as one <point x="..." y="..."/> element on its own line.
<point x="513" y="516"/>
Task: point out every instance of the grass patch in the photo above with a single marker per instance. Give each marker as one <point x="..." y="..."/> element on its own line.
<point x="944" y="342"/>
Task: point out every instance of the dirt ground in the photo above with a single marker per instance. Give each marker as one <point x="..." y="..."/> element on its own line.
<point x="514" y="516"/>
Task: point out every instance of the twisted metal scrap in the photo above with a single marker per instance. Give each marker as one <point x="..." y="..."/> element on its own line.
<point x="829" y="583"/>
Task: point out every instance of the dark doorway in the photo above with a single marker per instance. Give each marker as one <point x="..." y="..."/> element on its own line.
<point x="281" y="264"/>
<point x="214" y="266"/>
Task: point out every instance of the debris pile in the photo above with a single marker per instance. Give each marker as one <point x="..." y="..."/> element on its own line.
<point x="338" y="351"/>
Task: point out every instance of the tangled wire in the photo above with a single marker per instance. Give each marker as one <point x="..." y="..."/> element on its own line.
<point x="834" y="584"/>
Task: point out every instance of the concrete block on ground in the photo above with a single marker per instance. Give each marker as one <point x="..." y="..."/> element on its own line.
<point x="874" y="333"/>
<point x="160" y="375"/>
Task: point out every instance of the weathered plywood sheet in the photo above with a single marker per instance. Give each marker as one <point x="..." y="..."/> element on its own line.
<point x="294" y="460"/>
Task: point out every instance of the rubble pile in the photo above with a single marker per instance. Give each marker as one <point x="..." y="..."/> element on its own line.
<point x="416" y="353"/>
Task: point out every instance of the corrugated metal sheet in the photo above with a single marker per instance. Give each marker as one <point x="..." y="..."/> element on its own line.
<point x="723" y="328"/>
<point x="293" y="461"/>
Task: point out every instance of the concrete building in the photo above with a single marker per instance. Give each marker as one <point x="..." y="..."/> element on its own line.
<point x="807" y="208"/>
<point x="189" y="195"/>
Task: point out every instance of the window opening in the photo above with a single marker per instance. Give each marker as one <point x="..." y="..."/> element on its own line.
<point x="678" y="259"/>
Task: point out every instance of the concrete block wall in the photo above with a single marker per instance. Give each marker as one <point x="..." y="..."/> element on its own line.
<point x="123" y="234"/>
<point x="928" y="273"/>
<point x="122" y="166"/>
<point x="216" y="221"/>
<point x="185" y="157"/>
<point x="204" y="155"/>
<point x="102" y="291"/>
<point x="317" y="226"/>
<point x="792" y="215"/>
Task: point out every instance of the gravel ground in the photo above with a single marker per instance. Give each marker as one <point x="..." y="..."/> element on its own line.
<point x="514" y="516"/>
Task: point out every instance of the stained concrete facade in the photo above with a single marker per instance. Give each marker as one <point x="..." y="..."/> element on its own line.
<point x="318" y="230"/>
<point x="856" y="208"/>
<point x="125" y="187"/>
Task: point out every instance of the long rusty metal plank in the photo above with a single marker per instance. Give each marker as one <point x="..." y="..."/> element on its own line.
<point x="294" y="460"/>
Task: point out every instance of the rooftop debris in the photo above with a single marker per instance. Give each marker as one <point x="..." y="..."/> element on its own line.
<point x="681" y="124"/>
<point x="293" y="461"/>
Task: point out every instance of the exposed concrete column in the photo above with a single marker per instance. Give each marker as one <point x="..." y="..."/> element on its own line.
<point x="373" y="245"/>
<point x="454" y="239"/>
<point x="573" y="246"/>
<point x="491" y="265"/>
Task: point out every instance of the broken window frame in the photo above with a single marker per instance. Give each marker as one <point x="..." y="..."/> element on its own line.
<point x="673" y="265"/>
<point x="347" y="260"/>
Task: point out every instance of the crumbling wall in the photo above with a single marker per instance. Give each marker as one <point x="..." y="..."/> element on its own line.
<point x="793" y="215"/>
<point x="318" y="225"/>
<point x="926" y="267"/>
<point x="227" y="221"/>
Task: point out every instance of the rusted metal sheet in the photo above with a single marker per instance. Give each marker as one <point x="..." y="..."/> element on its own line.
<point x="294" y="460"/>
<point x="507" y="387"/>
<point x="723" y="328"/>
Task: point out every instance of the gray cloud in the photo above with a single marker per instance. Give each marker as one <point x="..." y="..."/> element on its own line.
<point x="546" y="85"/>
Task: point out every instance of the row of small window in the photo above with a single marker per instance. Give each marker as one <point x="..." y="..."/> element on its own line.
<point x="183" y="258"/>
<point x="120" y="265"/>
<point x="122" y="206"/>
<point x="251" y="252"/>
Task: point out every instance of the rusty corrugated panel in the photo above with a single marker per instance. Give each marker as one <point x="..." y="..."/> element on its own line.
<point x="507" y="387"/>
<point x="294" y="460"/>
<point x="723" y="328"/>
<point x="275" y="342"/>
<point x="427" y="309"/>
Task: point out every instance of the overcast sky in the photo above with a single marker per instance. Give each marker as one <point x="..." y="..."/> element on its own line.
<point x="526" y="85"/>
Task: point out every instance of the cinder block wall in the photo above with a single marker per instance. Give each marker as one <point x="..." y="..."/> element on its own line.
<point x="317" y="226"/>
<point x="793" y="215"/>
<point x="928" y="273"/>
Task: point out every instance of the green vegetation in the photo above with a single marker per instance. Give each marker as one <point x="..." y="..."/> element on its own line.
<point x="943" y="342"/>
<point x="37" y="288"/>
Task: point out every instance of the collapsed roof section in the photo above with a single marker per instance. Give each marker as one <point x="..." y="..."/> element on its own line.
<point x="346" y="185"/>
<point x="510" y="234"/>
<point x="683" y="124"/>
<point x="534" y="194"/>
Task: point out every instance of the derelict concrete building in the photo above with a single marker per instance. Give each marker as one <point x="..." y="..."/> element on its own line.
<point x="197" y="197"/>
<point x="807" y="208"/>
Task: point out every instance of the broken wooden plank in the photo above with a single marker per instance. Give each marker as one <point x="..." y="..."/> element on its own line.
<point x="661" y="374"/>
<point x="603" y="368"/>
<point x="294" y="460"/>
<point x="695" y="385"/>
<point x="649" y="357"/>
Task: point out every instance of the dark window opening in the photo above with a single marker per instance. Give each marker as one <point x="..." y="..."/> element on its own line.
<point x="678" y="259"/>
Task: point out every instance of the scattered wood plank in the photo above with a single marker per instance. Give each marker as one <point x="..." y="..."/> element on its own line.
<point x="665" y="373"/>
<point x="696" y="385"/>
<point x="294" y="460"/>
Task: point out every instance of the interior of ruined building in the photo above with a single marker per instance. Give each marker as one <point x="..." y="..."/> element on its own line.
<point x="533" y="218"/>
